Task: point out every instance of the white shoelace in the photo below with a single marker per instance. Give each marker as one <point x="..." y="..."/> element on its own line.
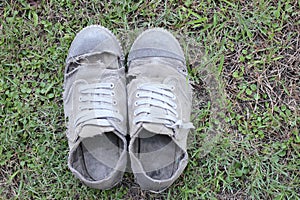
<point x="157" y="101"/>
<point x="97" y="105"/>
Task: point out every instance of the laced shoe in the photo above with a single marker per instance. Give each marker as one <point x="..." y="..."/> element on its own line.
<point x="159" y="108"/>
<point x="95" y="108"/>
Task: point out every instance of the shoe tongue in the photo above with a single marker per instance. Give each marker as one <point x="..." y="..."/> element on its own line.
<point x="90" y="69"/>
<point x="158" y="129"/>
<point x="93" y="130"/>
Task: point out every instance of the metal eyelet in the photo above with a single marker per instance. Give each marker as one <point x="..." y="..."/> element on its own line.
<point x="137" y="95"/>
<point x="136" y="103"/>
<point x="112" y="85"/>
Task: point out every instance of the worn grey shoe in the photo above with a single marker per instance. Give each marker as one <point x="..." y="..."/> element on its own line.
<point x="95" y="108"/>
<point x="159" y="108"/>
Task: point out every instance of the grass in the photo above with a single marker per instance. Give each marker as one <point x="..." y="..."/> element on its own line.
<point x="243" y="60"/>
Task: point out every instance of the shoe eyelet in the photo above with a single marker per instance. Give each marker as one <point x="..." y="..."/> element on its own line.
<point x="172" y="87"/>
<point x="174" y="97"/>
<point x="136" y="103"/>
<point x="80" y="99"/>
<point x="137" y="95"/>
<point x="174" y="106"/>
<point x="112" y="85"/>
<point x="112" y="93"/>
<point x="78" y="129"/>
<point x="114" y="102"/>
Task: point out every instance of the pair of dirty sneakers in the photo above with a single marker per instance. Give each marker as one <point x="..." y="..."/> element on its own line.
<point x="103" y="105"/>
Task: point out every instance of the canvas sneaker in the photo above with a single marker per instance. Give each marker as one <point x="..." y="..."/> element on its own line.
<point x="95" y="108"/>
<point x="159" y="108"/>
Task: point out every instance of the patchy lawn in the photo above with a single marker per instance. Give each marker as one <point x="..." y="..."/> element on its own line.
<point x="244" y="63"/>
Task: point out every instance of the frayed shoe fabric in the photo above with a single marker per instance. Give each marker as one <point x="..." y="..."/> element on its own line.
<point x="159" y="108"/>
<point x="95" y="108"/>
